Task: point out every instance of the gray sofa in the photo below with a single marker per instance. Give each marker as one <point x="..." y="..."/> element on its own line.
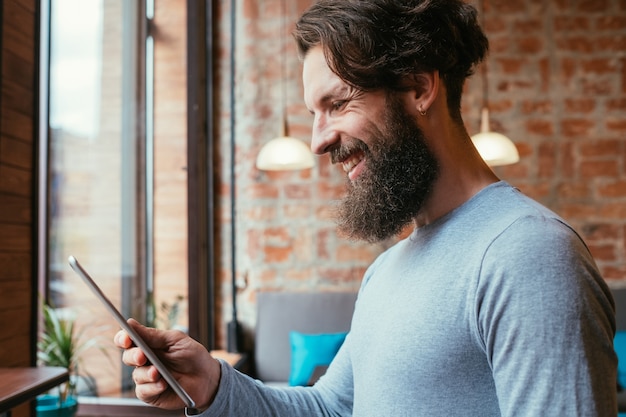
<point x="278" y="313"/>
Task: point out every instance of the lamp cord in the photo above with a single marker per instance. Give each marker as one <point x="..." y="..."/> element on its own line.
<point x="283" y="69"/>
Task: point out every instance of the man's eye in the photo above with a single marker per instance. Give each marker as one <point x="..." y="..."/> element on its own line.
<point x="339" y="104"/>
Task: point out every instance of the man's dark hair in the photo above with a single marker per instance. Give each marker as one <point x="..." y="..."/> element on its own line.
<point x="376" y="44"/>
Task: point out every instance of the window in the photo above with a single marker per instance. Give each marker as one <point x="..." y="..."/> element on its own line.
<point x="117" y="174"/>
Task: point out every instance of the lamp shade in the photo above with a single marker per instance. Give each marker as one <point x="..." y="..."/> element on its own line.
<point x="495" y="148"/>
<point x="283" y="154"/>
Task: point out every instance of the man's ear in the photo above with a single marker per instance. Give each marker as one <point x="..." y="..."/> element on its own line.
<point x="426" y="89"/>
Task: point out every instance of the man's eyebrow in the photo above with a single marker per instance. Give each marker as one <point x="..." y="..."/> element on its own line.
<point x="340" y="91"/>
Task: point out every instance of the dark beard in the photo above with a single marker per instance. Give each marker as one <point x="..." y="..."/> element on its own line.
<point x="399" y="177"/>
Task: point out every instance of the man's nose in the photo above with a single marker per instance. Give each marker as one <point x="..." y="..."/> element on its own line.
<point x="323" y="135"/>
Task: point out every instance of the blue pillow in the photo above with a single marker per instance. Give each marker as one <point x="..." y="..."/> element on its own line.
<point x="309" y="351"/>
<point x="619" y="344"/>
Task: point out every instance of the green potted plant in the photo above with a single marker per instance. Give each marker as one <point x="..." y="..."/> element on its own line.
<point x="60" y="345"/>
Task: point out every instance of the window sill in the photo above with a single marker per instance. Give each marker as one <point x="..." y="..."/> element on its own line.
<point x="119" y="407"/>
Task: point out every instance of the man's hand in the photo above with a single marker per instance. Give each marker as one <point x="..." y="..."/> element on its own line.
<point x="188" y="361"/>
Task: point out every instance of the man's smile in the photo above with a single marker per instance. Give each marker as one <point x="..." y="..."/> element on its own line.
<point x="352" y="165"/>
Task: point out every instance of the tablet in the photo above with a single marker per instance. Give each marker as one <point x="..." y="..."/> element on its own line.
<point x="139" y="342"/>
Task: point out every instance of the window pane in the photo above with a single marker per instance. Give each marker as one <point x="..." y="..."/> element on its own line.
<point x="95" y="193"/>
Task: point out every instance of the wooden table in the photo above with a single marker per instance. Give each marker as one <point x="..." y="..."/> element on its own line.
<point x="19" y="385"/>
<point x="235" y="360"/>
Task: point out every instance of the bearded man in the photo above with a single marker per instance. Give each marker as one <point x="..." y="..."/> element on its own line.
<point x="492" y="306"/>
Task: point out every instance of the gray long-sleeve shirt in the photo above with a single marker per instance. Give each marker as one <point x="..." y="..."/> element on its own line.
<point x="495" y="309"/>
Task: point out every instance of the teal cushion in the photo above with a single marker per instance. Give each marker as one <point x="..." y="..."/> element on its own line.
<point x="619" y="344"/>
<point x="309" y="351"/>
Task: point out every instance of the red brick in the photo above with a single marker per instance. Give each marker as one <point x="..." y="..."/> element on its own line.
<point x="581" y="44"/>
<point x="611" y="43"/>
<point x="600" y="148"/>
<point x="573" y="190"/>
<point x="611" y="23"/>
<point x="499" y="44"/>
<point x="562" y="5"/>
<point x="511" y="65"/>
<point x="276" y="254"/>
<point x="584" y="211"/>
<point x="500" y="7"/>
<point x="298" y="191"/>
<point x="301" y="131"/>
<point x="571" y="23"/>
<point x="540" y="127"/>
<point x="514" y="86"/>
<point x="623" y="76"/>
<point x="545" y="69"/>
<point x="612" y="210"/>
<point x="302" y="245"/>
<point x="325" y="212"/>
<point x="568" y="69"/>
<point x="576" y="127"/>
<point x="613" y="189"/>
<point x="495" y="26"/>
<point x="524" y="149"/>
<point x="600" y="232"/>
<point x="499" y="106"/>
<point x="614" y="273"/>
<point x="277" y="236"/>
<point x="536" y="190"/>
<point x="617" y="126"/>
<point x="530" y="45"/>
<point x="591" y="6"/>
<point x="593" y="169"/>
<point x="528" y="26"/>
<point x="330" y="192"/>
<point x="351" y="253"/>
<point x="597" y="87"/>
<point x="618" y="104"/>
<point x="581" y="105"/>
<point x="261" y="213"/>
<point x="602" y="252"/>
<point x="263" y="191"/>
<point x="599" y="66"/>
<point x="297" y="211"/>
<point x="253" y="238"/>
<point x="546" y="160"/>
<point x="325" y="168"/>
<point x="323" y="237"/>
<point x="536" y="106"/>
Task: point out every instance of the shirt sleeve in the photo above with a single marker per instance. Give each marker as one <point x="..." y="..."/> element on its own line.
<point x="240" y="395"/>
<point x="546" y="320"/>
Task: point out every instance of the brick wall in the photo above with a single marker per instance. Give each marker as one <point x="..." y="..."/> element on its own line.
<point x="557" y="87"/>
<point x="558" y="83"/>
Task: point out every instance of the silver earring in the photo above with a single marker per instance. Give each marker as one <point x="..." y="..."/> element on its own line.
<point x="422" y="111"/>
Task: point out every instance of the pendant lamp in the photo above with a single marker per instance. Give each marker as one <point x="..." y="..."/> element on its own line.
<point x="284" y="153"/>
<point x="495" y="148"/>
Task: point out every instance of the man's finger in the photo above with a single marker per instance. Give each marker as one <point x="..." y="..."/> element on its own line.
<point x="134" y="357"/>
